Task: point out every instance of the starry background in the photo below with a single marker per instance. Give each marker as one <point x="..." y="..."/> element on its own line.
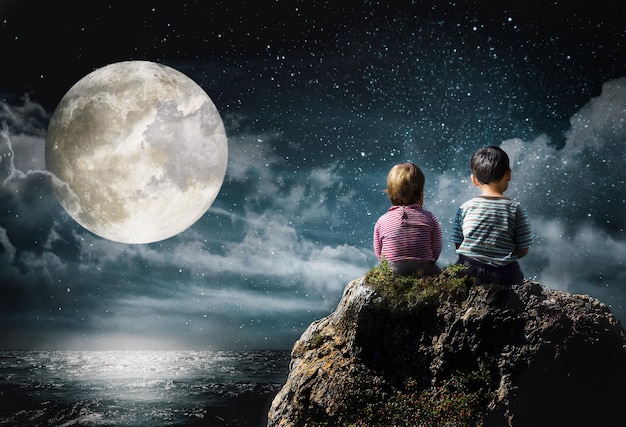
<point x="319" y="100"/>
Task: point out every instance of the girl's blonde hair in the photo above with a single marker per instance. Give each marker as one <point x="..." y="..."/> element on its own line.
<point x="405" y="184"/>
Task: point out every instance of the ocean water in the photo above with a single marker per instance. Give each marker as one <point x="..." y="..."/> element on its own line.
<point x="139" y="388"/>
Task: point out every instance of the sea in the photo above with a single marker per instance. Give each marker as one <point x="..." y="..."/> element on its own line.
<point x="139" y="388"/>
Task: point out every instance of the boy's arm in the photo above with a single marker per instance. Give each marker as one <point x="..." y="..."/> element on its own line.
<point x="437" y="238"/>
<point x="523" y="237"/>
<point x="457" y="229"/>
<point x="520" y="253"/>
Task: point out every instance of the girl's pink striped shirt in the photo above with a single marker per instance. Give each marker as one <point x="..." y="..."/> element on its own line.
<point x="407" y="233"/>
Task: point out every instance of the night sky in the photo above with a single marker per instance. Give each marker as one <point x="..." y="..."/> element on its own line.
<point x="319" y="100"/>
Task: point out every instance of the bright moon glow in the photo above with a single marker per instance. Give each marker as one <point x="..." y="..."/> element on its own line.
<point x="140" y="152"/>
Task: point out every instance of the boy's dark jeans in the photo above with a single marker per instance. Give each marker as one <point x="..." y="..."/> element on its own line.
<point x="510" y="274"/>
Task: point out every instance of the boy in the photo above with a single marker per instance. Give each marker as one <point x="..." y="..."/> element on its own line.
<point x="491" y="231"/>
<point x="408" y="236"/>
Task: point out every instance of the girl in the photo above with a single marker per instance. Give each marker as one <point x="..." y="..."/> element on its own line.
<point x="407" y="236"/>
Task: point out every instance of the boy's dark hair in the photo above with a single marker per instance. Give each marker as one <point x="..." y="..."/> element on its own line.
<point x="489" y="164"/>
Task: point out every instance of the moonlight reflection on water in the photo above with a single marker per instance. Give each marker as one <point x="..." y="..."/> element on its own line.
<point x="138" y="388"/>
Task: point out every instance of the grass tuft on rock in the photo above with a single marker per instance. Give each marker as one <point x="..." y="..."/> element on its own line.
<point x="405" y="294"/>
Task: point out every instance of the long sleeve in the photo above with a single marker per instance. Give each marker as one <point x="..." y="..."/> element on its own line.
<point x="377" y="241"/>
<point x="437" y="243"/>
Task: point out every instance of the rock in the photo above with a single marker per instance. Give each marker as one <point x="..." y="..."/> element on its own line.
<point x="395" y="353"/>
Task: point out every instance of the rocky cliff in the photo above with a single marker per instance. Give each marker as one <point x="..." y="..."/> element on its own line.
<point x="447" y="351"/>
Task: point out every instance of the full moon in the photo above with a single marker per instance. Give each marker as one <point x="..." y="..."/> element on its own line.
<point x="139" y="150"/>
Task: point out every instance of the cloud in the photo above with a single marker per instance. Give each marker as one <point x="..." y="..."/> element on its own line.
<point x="252" y="155"/>
<point x="29" y="117"/>
<point x="7" y="251"/>
<point x="584" y="257"/>
<point x="600" y="125"/>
